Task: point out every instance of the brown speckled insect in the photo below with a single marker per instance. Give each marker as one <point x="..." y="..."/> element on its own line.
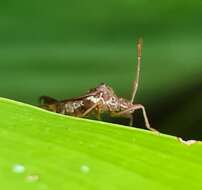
<point x="100" y="99"/>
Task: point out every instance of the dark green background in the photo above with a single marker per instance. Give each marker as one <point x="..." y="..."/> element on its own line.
<point x="63" y="48"/>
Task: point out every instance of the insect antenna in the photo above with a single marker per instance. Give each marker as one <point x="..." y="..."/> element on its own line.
<point x="139" y="57"/>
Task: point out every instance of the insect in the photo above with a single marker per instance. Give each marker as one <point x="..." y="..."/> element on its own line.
<point x="100" y="99"/>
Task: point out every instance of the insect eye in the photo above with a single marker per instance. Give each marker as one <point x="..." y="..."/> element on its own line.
<point x="113" y="99"/>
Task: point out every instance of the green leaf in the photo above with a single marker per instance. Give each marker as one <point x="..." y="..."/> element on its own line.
<point x="44" y="150"/>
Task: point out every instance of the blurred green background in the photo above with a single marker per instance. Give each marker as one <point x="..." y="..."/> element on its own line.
<point x="63" y="48"/>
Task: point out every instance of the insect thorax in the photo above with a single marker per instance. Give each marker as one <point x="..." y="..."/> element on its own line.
<point x="108" y="100"/>
<point x="101" y="99"/>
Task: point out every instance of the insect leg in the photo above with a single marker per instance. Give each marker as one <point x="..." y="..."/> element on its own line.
<point x="136" y="107"/>
<point x="136" y="81"/>
<point x="89" y="110"/>
<point x="98" y="113"/>
<point x="131" y="119"/>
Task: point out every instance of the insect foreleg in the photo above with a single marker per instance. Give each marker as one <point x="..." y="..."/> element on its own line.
<point x="136" y="107"/>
